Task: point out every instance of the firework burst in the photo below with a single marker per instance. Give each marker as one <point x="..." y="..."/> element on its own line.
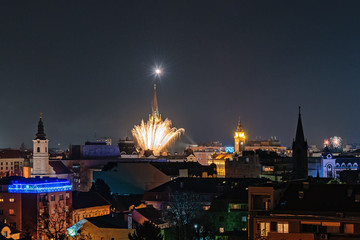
<point x="155" y="134"/>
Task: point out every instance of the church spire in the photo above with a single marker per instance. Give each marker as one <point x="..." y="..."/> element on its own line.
<point x="40" y="133"/>
<point x="299" y="137"/>
<point x="155" y="110"/>
<point x="239" y="127"/>
<point x="299" y="151"/>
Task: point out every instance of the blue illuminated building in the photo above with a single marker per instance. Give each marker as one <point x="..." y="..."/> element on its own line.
<point x="229" y="149"/>
<point x="39" y="185"/>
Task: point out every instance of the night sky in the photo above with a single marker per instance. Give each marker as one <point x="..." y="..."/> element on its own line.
<point x="87" y="65"/>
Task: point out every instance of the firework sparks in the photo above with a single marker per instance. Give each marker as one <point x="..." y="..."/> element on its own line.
<point x="155" y="134"/>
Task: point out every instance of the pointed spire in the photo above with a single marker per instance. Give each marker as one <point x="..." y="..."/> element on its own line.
<point x="40" y="133"/>
<point x="239" y="127"/>
<point x="155" y="110"/>
<point x="299" y="130"/>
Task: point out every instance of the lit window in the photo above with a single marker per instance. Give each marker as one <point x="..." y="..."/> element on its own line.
<point x="283" y="228"/>
<point x="206" y="208"/>
<point x="221" y="230"/>
<point x="11" y="211"/>
<point x="11" y="200"/>
<point x="264" y="228"/>
<point x="244" y="218"/>
<point x="1" y="199"/>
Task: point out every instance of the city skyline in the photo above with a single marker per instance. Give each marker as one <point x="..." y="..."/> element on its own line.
<point x="88" y="68"/>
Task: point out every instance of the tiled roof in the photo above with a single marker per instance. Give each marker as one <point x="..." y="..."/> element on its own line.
<point x="59" y="167"/>
<point x="321" y="198"/>
<point x="13" y="153"/>
<point x="87" y="200"/>
<point x="172" y="168"/>
<point x="109" y="221"/>
<point x="205" y="185"/>
<point x="152" y="214"/>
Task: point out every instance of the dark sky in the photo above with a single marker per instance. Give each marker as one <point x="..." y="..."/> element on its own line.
<point x="87" y="66"/>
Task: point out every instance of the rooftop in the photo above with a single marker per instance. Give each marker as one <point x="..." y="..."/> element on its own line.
<point x="314" y="197"/>
<point x="109" y="221"/>
<point x="87" y="200"/>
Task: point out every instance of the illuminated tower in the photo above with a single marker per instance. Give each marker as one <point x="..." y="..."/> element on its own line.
<point x="41" y="165"/>
<point x="300" y="148"/>
<point x="155" y="116"/>
<point x="239" y="139"/>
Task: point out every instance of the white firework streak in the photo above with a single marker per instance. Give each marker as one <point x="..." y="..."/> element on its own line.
<point x="155" y="134"/>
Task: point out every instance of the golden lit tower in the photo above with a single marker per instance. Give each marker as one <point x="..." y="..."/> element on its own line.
<point x="239" y="138"/>
<point x="155" y="116"/>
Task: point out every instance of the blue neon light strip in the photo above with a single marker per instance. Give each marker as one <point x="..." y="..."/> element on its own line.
<point x="43" y="187"/>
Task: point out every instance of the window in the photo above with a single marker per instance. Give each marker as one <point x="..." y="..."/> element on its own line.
<point x="11" y="200"/>
<point x="45" y="149"/>
<point x="1" y="199"/>
<point x="264" y="229"/>
<point x="11" y="211"/>
<point x="221" y="230"/>
<point x="52" y="198"/>
<point x="244" y="218"/>
<point x="6" y="163"/>
<point x="12" y="163"/>
<point x="283" y="228"/>
<point x="67" y="195"/>
<point x="1" y="211"/>
<point x="38" y="149"/>
<point x="61" y="197"/>
<point x="349" y="228"/>
<point x="1" y="168"/>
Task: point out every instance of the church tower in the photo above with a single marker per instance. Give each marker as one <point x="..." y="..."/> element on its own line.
<point x="155" y="116"/>
<point x="239" y="138"/>
<point x="41" y="165"/>
<point x="300" y="149"/>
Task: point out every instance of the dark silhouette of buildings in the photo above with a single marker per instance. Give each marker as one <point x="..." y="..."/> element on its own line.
<point x="300" y="147"/>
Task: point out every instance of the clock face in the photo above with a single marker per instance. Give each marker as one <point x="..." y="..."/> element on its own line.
<point x="329" y="156"/>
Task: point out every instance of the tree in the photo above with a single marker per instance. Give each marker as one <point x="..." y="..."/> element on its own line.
<point x="184" y="211"/>
<point x="146" y="231"/>
<point x="102" y="188"/>
<point x="22" y="147"/>
<point x="54" y="220"/>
